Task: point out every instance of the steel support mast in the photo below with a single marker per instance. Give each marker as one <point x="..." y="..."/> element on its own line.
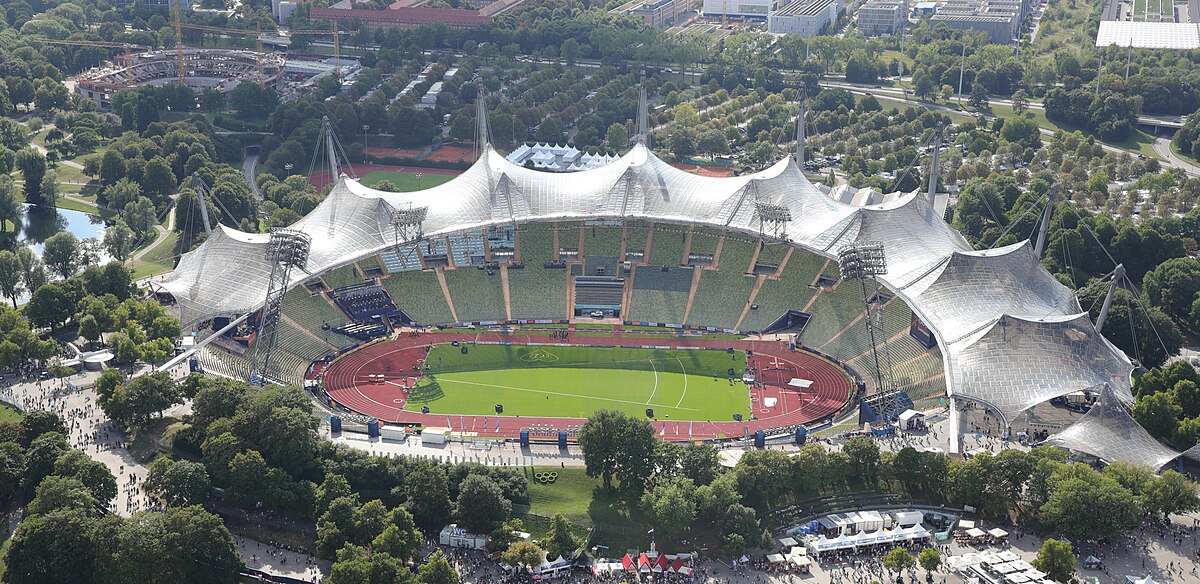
<point x="286" y="249"/>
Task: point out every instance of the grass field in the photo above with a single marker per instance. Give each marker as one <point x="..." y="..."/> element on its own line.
<point x="405" y="181"/>
<point x="576" y="381"/>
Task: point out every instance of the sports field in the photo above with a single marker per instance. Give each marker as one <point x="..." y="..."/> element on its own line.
<point x="405" y="181"/>
<point x="574" y="382"/>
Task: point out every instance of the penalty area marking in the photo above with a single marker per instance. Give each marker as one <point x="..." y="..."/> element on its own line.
<point x="655" y="390"/>
<point x="685" y="376"/>
<point x="622" y="401"/>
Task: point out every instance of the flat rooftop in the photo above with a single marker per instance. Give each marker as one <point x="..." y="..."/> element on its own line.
<point x="1179" y="36"/>
<point x="804" y="8"/>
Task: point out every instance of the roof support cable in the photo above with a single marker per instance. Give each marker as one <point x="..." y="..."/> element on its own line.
<point x="1142" y="305"/>
<point x="1009" y="227"/>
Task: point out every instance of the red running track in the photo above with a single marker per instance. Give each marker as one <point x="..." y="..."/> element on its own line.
<point x="371" y="381"/>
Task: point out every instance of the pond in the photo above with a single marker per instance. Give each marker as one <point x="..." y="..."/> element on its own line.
<point x="41" y="223"/>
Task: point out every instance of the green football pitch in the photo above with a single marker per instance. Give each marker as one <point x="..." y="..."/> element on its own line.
<point x="405" y="181"/>
<point x="574" y="382"/>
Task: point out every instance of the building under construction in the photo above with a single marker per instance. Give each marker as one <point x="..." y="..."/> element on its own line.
<point x="220" y="69"/>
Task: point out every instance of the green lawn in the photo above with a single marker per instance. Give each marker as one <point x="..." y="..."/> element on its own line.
<point x="405" y="181"/>
<point x="9" y="413"/>
<point x="576" y="381"/>
<point x="1139" y="143"/>
<point x="587" y="505"/>
<point x="159" y="260"/>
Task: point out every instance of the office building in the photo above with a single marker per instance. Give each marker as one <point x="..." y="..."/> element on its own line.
<point x="1000" y="19"/>
<point x="805" y="17"/>
<point x="880" y="17"/>
<point x="658" y="13"/>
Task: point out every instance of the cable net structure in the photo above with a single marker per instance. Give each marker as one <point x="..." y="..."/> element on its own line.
<point x="967" y="298"/>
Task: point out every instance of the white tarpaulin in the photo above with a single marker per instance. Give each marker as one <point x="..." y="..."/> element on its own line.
<point x="801" y="383"/>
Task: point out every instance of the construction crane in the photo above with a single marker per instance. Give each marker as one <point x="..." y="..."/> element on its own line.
<point x="257" y="32"/>
<point x="336" y="34"/>
<point x="83" y="43"/>
<point x="179" y="42"/>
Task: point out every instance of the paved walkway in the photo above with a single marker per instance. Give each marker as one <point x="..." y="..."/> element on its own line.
<point x="92" y="432"/>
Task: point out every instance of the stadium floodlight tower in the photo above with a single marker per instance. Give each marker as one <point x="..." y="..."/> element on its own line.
<point x="286" y="249"/>
<point x="407" y="224"/>
<point x="776" y="217"/>
<point x="862" y="262"/>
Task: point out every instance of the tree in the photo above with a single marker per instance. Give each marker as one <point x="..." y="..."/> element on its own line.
<point x="898" y="560"/>
<point x="617" y="445"/>
<point x="481" y="506"/>
<point x="55" y="493"/>
<point x="112" y="167"/>
<point x="158" y="180"/>
<point x="437" y="570"/>
<point x="549" y="131"/>
<point x="712" y="143"/>
<point x="617" y="135"/>
<point x="32" y="165"/>
<point x="562" y="540"/>
<point x="1020" y="102"/>
<point x="462" y="128"/>
<point x="1173" y="286"/>
<point x="1170" y="493"/>
<point x="523" y="554"/>
<point x="685" y="115"/>
<point x="49" y="189"/>
<point x="864" y="456"/>
<point x="672" y="507"/>
<point x="134" y="403"/>
<point x="11" y="210"/>
<point x="10" y="275"/>
<point x="36" y="423"/>
<point x="930" y="559"/>
<point x="61" y="254"/>
<point x="41" y="456"/>
<point x="118" y="241"/>
<point x="50" y="306"/>
<point x="56" y="547"/>
<point x="1021" y="131"/>
<point x="401" y="539"/>
<point x="428" y="496"/>
<point x="569" y="51"/>
<point x="93" y="474"/>
<point x="1158" y="413"/>
<point x="978" y="99"/>
<point x="1057" y="560"/>
<point x="1091" y="507"/>
<point x="370" y="519"/>
<point x="683" y="142"/>
<point x="199" y="546"/>
<point x="178" y="483"/>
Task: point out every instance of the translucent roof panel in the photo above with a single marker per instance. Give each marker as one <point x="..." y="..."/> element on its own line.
<point x="1017" y="364"/>
<point x="973" y="301"/>
<point x="227" y="274"/>
<point x="1109" y="433"/>
<point x="1008" y="280"/>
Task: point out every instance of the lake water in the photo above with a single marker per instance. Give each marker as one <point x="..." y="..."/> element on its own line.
<point x="41" y="223"/>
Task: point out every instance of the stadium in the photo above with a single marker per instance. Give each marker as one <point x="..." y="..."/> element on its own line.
<point x="220" y="69"/>
<point x="503" y="276"/>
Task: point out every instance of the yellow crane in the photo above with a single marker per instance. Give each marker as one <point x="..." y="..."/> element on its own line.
<point x="83" y="43"/>
<point x="333" y="30"/>
<point x="179" y="43"/>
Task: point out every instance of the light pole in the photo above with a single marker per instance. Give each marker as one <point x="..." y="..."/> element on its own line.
<point x="365" y="127"/>
<point x="288" y="167"/>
